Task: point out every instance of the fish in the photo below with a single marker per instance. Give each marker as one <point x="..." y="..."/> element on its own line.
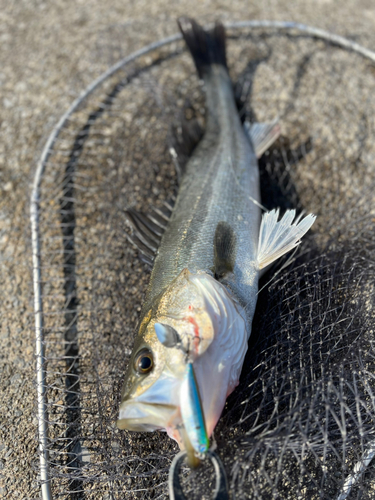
<point x="197" y="314"/>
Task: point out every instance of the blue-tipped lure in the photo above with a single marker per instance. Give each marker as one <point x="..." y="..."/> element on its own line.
<point x="167" y="335"/>
<point x="190" y="399"/>
<point x="192" y="412"/>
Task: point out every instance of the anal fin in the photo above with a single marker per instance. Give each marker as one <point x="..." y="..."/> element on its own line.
<point x="276" y="238"/>
<point x="262" y="135"/>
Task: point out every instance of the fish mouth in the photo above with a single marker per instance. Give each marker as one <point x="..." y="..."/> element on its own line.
<point x="156" y="408"/>
<point x="140" y="416"/>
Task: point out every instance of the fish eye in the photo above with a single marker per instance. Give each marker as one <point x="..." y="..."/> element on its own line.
<point x="144" y="361"/>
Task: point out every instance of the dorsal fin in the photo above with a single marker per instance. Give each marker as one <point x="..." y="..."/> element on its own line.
<point x="184" y="137"/>
<point x="144" y="229"/>
<point x="148" y="230"/>
<point x="224" y="250"/>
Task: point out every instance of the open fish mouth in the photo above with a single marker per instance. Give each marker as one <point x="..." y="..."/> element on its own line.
<point x="156" y="408"/>
<point x="139" y="416"/>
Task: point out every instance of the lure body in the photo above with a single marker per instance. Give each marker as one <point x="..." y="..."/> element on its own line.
<point x="191" y="412"/>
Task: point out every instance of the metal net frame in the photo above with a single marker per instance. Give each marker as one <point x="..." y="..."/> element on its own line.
<point x="301" y="422"/>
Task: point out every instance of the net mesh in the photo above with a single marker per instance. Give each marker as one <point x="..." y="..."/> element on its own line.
<point x="303" y="414"/>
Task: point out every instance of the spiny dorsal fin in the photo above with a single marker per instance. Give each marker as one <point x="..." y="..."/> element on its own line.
<point x="148" y="230"/>
<point x="144" y="253"/>
<point x="262" y="135"/>
<point x="224" y="250"/>
<point x="276" y="238"/>
<point x="149" y="239"/>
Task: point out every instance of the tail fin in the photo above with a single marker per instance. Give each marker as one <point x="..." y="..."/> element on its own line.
<point x="206" y="47"/>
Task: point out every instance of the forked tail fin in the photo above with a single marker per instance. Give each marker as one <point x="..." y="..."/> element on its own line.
<point x="277" y="237"/>
<point x="206" y="47"/>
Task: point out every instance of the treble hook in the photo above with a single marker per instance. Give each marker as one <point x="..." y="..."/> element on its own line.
<point x="175" y="489"/>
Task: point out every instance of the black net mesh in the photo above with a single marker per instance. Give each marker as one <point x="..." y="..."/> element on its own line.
<point x="302" y="417"/>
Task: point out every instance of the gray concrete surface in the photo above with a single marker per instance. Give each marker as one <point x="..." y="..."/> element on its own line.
<point x="49" y="52"/>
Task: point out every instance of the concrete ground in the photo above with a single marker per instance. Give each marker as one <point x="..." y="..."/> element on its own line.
<point x="50" y="52"/>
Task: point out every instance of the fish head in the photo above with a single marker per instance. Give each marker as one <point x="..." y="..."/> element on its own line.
<point x="151" y="392"/>
<point x="211" y="334"/>
<point x="149" y="398"/>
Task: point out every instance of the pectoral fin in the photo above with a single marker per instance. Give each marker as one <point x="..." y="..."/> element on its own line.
<point x="262" y="135"/>
<point x="224" y="250"/>
<point x="276" y="238"/>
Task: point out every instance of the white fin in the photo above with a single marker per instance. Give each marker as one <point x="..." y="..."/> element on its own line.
<point x="262" y="135"/>
<point x="279" y="237"/>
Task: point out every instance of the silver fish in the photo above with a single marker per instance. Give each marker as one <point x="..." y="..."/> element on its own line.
<point x="203" y="289"/>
